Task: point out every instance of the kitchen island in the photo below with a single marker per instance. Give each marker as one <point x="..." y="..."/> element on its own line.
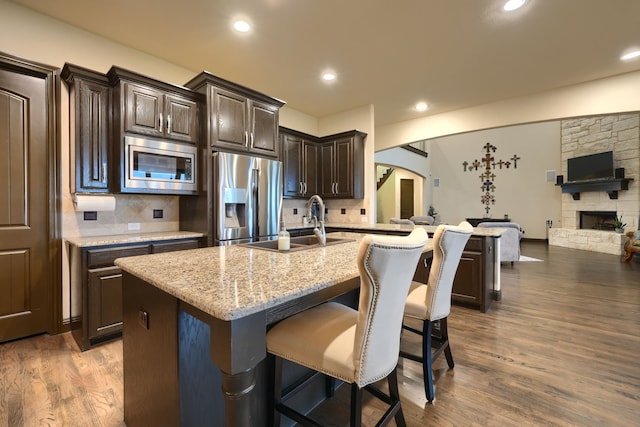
<point x="195" y="322"/>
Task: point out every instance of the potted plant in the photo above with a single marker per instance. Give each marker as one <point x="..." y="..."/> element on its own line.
<point x="619" y="225"/>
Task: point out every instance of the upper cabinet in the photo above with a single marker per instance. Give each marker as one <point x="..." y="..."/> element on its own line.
<point x="149" y="107"/>
<point x="342" y="166"/>
<point x="299" y="154"/>
<point x="332" y="166"/>
<point x="151" y="111"/>
<point x="237" y="118"/>
<point x="90" y="119"/>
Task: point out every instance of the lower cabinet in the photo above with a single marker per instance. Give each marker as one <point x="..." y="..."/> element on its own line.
<point x="472" y="285"/>
<point x="96" y="287"/>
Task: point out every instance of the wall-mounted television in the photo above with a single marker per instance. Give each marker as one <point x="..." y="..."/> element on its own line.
<point x="592" y="166"/>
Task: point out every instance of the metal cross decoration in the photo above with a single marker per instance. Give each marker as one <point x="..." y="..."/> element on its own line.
<point x="487" y="178"/>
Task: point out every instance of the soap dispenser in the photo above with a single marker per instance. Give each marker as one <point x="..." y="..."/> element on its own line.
<point x="284" y="239"/>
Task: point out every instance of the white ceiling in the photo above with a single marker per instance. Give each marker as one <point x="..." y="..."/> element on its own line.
<point x="449" y="53"/>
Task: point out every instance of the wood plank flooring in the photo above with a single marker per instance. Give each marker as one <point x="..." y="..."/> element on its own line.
<point x="561" y="349"/>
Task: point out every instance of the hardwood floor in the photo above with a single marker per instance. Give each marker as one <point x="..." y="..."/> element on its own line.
<point x="562" y="348"/>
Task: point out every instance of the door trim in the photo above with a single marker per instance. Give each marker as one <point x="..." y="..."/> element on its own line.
<point x="51" y="77"/>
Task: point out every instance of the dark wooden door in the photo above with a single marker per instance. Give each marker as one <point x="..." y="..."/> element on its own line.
<point x="309" y="166"/>
<point x="263" y="131"/>
<point x="406" y="198"/>
<point x="25" y="250"/>
<point x="343" y="168"/>
<point x="229" y="120"/>
<point x="291" y="159"/>
<point x="143" y="110"/>
<point x="180" y="115"/>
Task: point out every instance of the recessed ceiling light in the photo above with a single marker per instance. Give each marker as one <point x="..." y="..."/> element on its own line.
<point x="242" y="26"/>
<point x="631" y="55"/>
<point x="513" y="5"/>
<point x="328" y="76"/>
<point x="421" y="106"/>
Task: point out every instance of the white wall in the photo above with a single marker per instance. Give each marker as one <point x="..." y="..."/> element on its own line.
<point x="523" y="192"/>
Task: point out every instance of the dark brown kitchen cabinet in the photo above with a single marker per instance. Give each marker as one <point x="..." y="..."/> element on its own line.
<point x="90" y="125"/>
<point x="472" y="284"/>
<point x="299" y="154"/>
<point x="96" y="287"/>
<point x="342" y="166"/>
<point x="151" y="111"/>
<point x="104" y="313"/>
<point x="237" y="118"/>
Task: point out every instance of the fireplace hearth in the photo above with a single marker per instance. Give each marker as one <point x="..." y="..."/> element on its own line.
<point x="597" y="220"/>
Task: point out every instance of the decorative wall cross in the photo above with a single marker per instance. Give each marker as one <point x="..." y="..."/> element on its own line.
<point x="488" y="176"/>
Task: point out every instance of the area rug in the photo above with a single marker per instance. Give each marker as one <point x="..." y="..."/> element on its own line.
<point x="527" y="258"/>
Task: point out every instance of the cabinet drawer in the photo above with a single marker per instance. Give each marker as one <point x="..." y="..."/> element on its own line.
<point x="474" y="244"/>
<point x="105" y="257"/>
<point x="182" y="245"/>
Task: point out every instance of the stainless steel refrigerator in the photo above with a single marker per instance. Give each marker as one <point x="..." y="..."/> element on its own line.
<point x="247" y="198"/>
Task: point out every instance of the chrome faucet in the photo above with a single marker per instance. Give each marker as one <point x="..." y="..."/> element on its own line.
<point x="320" y="234"/>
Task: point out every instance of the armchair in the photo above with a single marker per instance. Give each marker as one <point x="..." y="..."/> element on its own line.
<point x="509" y="241"/>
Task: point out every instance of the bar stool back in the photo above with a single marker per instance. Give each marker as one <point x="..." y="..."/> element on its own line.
<point x="432" y="302"/>
<point x="360" y="346"/>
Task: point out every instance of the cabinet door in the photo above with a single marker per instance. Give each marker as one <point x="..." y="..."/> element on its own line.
<point x="467" y="284"/>
<point x="104" y="301"/>
<point x="292" y="153"/>
<point x="309" y="166"/>
<point x="343" y="168"/>
<point x="326" y="182"/>
<point x="92" y="105"/>
<point x="422" y="269"/>
<point x="229" y="120"/>
<point x="181" y="118"/>
<point x="143" y="110"/>
<point x="263" y="130"/>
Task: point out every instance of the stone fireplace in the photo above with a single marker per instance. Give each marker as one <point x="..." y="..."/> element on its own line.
<point x="587" y="223"/>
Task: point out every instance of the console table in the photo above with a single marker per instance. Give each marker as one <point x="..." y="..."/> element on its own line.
<point x="475" y="221"/>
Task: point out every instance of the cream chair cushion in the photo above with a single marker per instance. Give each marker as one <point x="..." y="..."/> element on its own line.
<point x="433" y="301"/>
<point x="357" y="346"/>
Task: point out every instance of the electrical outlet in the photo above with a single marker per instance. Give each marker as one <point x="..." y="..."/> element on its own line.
<point x="363" y="219"/>
<point x="363" y="211"/>
<point x="133" y="226"/>
<point x="343" y="211"/>
<point x="158" y="213"/>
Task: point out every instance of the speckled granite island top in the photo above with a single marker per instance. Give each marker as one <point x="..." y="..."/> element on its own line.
<point x="119" y="239"/>
<point x="230" y="282"/>
<point x="381" y="228"/>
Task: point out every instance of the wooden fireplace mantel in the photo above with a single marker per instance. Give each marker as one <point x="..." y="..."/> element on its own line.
<point x="610" y="186"/>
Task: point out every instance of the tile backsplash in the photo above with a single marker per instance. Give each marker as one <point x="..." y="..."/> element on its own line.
<point x="130" y="211"/>
<point x="335" y="208"/>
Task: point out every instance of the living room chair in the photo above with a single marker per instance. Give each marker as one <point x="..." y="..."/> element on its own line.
<point x="360" y="346"/>
<point x="509" y="241"/>
<point x="422" y="220"/>
<point x="431" y="303"/>
<point x="400" y="221"/>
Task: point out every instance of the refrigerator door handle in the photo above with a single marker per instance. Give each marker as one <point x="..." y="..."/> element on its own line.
<point x="254" y="201"/>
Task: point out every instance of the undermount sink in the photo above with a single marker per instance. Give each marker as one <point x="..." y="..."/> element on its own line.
<point x="297" y="243"/>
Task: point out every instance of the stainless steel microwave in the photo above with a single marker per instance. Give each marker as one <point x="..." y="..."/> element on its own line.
<point x="159" y="165"/>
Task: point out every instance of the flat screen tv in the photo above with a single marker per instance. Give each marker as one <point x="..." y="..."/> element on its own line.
<point x="593" y="166"/>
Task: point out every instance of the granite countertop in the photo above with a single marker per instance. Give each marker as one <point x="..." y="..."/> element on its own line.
<point x="116" y="239"/>
<point x="482" y="232"/>
<point x="230" y="282"/>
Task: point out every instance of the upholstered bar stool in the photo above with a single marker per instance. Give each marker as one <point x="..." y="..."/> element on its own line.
<point x="432" y="302"/>
<point x="360" y="346"/>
